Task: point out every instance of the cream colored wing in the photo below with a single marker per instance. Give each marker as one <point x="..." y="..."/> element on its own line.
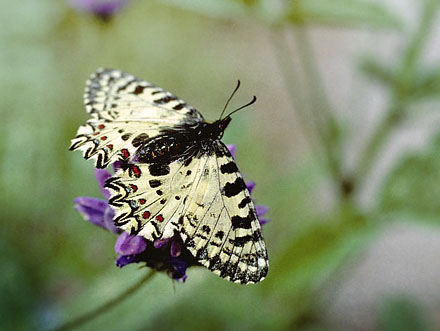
<point x="220" y="226"/>
<point x="205" y="200"/>
<point x="125" y="112"/>
<point x="149" y="199"/>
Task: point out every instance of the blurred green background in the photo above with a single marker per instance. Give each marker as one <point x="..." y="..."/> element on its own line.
<point x="343" y="144"/>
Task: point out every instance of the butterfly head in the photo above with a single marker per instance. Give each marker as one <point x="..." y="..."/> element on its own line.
<point x="222" y="125"/>
<point x="215" y="129"/>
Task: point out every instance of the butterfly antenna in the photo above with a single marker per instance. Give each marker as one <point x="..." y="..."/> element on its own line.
<point x="232" y="95"/>
<point x="246" y="105"/>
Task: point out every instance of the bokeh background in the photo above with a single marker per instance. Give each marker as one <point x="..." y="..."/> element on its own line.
<point x="343" y="144"/>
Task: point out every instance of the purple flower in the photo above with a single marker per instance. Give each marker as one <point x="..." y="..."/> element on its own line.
<point x="103" y="9"/>
<point x="96" y="211"/>
<point x="261" y="211"/>
<point x="127" y="244"/>
<point x="231" y="149"/>
<point x="165" y="254"/>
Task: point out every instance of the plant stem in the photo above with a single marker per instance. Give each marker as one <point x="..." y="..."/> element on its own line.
<point x="319" y="105"/>
<point x="289" y="75"/>
<point x="315" y="114"/>
<point x="401" y="91"/>
<point x="106" y="306"/>
<point x="381" y="133"/>
<point x="419" y="38"/>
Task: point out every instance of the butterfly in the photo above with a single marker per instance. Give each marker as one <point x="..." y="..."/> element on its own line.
<point x="176" y="174"/>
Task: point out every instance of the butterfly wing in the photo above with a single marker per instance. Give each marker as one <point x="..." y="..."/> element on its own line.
<point x="149" y="199"/>
<point x="220" y="226"/>
<point x="125" y="112"/>
<point x="202" y="197"/>
<point x="205" y="200"/>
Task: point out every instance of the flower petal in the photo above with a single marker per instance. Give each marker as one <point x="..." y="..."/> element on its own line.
<point x="98" y="7"/>
<point x="231" y="149"/>
<point x="181" y="279"/>
<point x="179" y="267"/>
<point x="250" y="186"/>
<point x="263" y="221"/>
<point x="127" y="244"/>
<point x="109" y="214"/>
<point x="123" y="260"/>
<point x="92" y="210"/>
<point x="158" y="243"/>
<point x="261" y="210"/>
<point x="176" y="249"/>
<point x="101" y="176"/>
<point x="117" y="165"/>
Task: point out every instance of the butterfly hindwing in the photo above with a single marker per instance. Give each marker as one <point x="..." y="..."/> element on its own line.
<point x="108" y="142"/>
<point x="221" y="228"/>
<point x="202" y="198"/>
<point x="149" y="199"/>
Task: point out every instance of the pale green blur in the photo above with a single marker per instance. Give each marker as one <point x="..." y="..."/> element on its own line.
<point x="292" y="142"/>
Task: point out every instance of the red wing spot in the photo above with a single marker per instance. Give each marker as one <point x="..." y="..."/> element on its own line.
<point x="95" y="133"/>
<point x="142" y="201"/>
<point x="125" y="153"/>
<point x="159" y="218"/>
<point x="103" y="138"/>
<point x="134" y="187"/>
<point x="101" y="126"/>
<point x="110" y="146"/>
<point x="146" y="215"/>
<point x="136" y="171"/>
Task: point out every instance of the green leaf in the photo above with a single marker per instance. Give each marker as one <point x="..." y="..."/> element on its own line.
<point x="215" y="8"/>
<point x="427" y="84"/>
<point x="314" y="255"/>
<point x="401" y="314"/>
<point x="342" y="13"/>
<point x="413" y="186"/>
<point x="377" y="71"/>
<point x="422" y="85"/>
<point x="18" y="295"/>
<point x="333" y="12"/>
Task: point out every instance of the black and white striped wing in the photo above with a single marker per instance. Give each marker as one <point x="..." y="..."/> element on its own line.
<point x="205" y="200"/>
<point x="220" y="226"/>
<point x="125" y="112"/>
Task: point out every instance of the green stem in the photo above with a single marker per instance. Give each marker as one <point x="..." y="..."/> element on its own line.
<point x="106" y="306"/>
<point x="416" y="45"/>
<point x="320" y="105"/>
<point x="401" y="91"/>
<point x="381" y="133"/>
<point x="318" y="98"/>
<point x="289" y="75"/>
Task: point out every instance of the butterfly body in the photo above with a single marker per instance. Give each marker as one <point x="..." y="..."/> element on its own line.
<point x="177" y="175"/>
<point x="182" y="142"/>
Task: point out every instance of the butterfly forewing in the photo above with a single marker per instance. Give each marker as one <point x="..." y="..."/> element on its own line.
<point x="115" y="95"/>
<point x="126" y="111"/>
